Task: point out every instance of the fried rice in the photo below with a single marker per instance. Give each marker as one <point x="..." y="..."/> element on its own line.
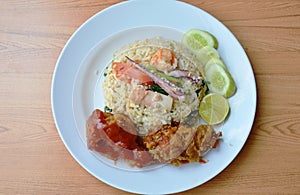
<point x="116" y="93"/>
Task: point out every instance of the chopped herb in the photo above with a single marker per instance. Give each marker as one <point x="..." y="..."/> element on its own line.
<point x="172" y="46"/>
<point x="204" y="82"/>
<point x="205" y="86"/>
<point x="206" y="92"/>
<point x="105" y="74"/>
<point x="203" y="90"/>
<point x="107" y="109"/>
<point x="157" y="88"/>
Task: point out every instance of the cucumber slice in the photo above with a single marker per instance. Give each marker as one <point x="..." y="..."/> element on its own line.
<point x="207" y="53"/>
<point x="213" y="61"/>
<point x="220" y="80"/>
<point x="195" y="39"/>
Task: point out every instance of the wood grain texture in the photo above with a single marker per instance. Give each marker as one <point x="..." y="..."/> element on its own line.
<point x="33" y="157"/>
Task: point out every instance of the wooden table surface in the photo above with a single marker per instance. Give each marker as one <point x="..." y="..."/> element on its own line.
<point x="34" y="159"/>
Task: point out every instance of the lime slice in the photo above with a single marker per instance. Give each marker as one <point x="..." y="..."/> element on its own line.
<point x="219" y="80"/>
<point x="207" y="53"/>
<point x="214" y="108"/>
<point x="213" y="61"/>
<point x="195" y="39"/>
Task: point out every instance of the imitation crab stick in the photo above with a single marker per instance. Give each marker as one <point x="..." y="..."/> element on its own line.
<point x="127" y="72"/>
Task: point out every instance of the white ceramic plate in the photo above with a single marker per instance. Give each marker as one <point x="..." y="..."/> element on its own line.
<point x="76" y="90"/>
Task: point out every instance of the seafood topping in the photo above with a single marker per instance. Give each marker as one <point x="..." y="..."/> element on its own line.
<point x="172" y="89"/>
<point x="164" y="60"/>
<point x="185" y="74"/>
<point x="152" y="99"/>
<point x="126" y="73"/>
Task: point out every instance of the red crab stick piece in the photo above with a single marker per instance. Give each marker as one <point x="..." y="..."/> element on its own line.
<point x="126" y="73"/>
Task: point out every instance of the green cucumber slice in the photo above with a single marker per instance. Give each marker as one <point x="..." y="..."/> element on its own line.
<point x="213" y="61"/>
<point x="195" y="39"/>
<point x="206" y="53"/>
<point x="220" y="80"/>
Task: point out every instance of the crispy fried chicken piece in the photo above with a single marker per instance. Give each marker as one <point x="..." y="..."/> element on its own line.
<point x="170" y="141"/>
<point x="180" y="144"/>
<point x="204" y="139"/>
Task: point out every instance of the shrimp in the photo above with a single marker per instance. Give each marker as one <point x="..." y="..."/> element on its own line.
<point x="164" y="60"/>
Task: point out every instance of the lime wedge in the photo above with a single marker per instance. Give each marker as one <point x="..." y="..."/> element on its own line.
<point x="207" y="53"/>
<point x="195" y="39"/>
<point x="213" y="61"/>
<point x="214" y="108"/>
<point x="219" y="80"/>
